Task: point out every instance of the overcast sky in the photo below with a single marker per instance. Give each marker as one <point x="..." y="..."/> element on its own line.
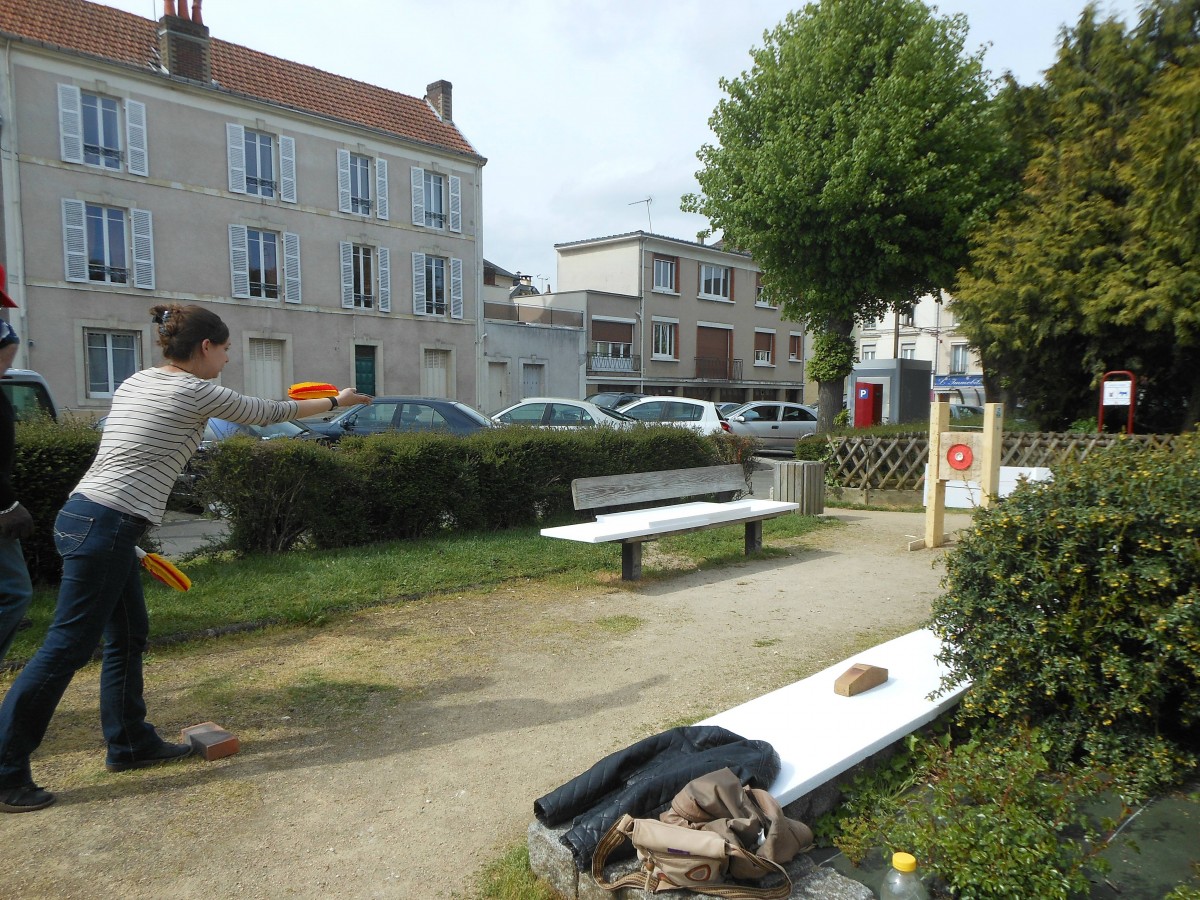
<point x="583" y="108"/>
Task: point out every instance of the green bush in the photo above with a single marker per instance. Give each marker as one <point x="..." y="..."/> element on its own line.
<point x="50" y="459"/>
<point x="1075" y="606"/>
<point x="995" y="822"/>
<point x="278" y="494"/>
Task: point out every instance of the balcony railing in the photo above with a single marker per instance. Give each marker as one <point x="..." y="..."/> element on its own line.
<point x="716" y="368"/>
<point x="531" y="314"/>
<point x="606" y="362"/>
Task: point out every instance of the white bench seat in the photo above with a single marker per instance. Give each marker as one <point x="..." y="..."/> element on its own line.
<point x="633" y="527"/>
<point x="819" y="734"/>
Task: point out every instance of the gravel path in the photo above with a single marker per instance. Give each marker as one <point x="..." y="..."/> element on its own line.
<point x="395" y="752"/>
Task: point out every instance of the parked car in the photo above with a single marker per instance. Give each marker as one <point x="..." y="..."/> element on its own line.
<point x="29" y="394"/>
<point x="699" y="415"/>
<point x="552" y="412"/>
<point x="965" y="411"/>
<point x="402" y="414"/>
<point x="613" y="399"/>
<point x="776" y="425"/>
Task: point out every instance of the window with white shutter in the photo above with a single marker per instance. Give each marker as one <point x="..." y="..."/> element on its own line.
<point x="418" y="273"/>
<point x="239" y="261"/>
<point x="347" y="269"/>
<point x="142" y="226"/>
<point x="287" y="169"/>
<point x="385" y="279"/>
<point x="291" y="268"/>
<point x="455" y="203"/>
<point x="75" y="240"/>
<point x="138" y="162"/>
<point x="70" y="123"/>
<point x="456" y="289"/>
<point x="381" y="188"/>
<point x="235" y="146"/>
<point x="418" y="195"/>
<point x="343" y="180"/>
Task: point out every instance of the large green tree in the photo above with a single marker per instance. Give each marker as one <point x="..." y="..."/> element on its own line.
<point x="1093" y="266"/>
<point x="852" y="162"/>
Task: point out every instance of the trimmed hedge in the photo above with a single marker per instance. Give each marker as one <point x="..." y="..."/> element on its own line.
<point x="277" y="494"/>
<point x="50" y="459"/>
<point x="1074" y="606"/>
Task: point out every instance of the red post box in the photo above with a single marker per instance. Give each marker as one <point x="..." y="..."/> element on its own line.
<point x="868" y="404"/>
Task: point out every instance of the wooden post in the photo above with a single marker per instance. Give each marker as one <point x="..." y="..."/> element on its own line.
<point x="935" y="509"/>
<point x="993" y="448"/>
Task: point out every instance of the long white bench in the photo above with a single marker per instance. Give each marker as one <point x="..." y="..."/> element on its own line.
<point x="634" y="527"/>
<point x="820" y="734"/>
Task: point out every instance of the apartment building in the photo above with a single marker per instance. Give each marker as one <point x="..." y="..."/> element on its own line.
<point x="669" y="316"/>
<point x="927" y="331"/>
<point x="333" y="224"/>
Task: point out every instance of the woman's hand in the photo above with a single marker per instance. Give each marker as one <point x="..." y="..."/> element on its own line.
<point x="351" y="397"/>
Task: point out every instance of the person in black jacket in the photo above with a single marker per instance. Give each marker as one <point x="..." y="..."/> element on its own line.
<point x="16" y="590"/>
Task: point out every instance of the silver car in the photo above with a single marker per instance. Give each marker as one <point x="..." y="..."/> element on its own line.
<point x="776" y="425"/>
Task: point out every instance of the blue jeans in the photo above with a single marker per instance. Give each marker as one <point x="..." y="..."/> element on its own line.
<point x="100" y="596"/>
<point x="16" y="591"/>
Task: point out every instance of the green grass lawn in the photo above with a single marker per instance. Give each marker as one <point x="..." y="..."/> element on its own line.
<point x="231" y="593"/>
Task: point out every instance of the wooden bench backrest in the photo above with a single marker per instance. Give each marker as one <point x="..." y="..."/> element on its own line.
<point x="647" y="487"/>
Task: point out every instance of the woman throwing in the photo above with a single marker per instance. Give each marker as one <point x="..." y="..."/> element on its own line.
<point x="154" y="427"/>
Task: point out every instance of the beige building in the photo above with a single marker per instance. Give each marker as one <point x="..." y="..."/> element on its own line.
<point x="927" y="331"/>
<point x="334" y="225"/>
<point x="668" y="316"/>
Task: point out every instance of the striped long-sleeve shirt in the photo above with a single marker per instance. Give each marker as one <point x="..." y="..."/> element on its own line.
<point x="154" y="427"/>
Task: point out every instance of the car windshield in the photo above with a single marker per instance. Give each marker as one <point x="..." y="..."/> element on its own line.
<point x="616" y="416"/>
<point x="29" y="400"/>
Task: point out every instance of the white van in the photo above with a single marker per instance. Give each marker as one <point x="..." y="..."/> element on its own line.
<point x="29" y="394"/>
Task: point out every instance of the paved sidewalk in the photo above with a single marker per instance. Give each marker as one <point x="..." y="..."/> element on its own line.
<point x="182" y="533"/>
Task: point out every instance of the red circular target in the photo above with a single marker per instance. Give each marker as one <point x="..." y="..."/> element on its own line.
<point x="960" y="457"/>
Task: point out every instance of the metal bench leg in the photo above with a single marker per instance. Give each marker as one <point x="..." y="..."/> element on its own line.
<point x="631" y="561"/>
<point x="753" y="537"/>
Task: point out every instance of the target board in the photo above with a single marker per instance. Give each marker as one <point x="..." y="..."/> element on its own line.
<point x="963" y="456"/>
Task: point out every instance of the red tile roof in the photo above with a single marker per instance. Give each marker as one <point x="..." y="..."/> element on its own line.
<point x="122" y="37"/>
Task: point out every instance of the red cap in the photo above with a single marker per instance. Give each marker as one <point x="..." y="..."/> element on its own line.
<point x="5" y="300"/>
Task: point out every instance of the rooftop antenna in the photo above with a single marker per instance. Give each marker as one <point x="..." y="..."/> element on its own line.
<point x="647" y="201"/>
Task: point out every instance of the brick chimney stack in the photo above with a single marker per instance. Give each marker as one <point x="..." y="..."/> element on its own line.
<point x="183" y="42"/>
<point x="440" y="94"/>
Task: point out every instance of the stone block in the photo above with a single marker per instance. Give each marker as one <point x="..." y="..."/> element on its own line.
<point x="551" y="860"/>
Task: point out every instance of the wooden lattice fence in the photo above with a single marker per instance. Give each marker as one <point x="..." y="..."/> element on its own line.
<point x="897" y="462"/>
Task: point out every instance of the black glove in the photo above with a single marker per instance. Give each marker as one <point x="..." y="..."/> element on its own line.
<point x="16" y="522"/>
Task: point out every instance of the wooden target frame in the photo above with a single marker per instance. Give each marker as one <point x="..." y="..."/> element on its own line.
<point x="959" y="456"/>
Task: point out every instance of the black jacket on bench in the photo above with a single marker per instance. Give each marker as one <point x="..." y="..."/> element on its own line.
<point x="642" y="779"/>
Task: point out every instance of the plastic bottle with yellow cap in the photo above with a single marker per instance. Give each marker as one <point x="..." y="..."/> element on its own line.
<point x="902" y="883"/>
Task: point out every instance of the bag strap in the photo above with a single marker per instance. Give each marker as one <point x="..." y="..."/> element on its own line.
<point x="642" y="879"/>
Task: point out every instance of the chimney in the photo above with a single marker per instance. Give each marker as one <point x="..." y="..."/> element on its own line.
<point x="183" y="43"/>
<point x="439" y="95"/>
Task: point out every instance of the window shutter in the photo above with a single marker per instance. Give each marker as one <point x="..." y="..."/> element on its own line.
<point x="419" y="283"/>
<point x="385" y="279"/>
<point x="75" y="240"/>
<point x="418" y="196"/>
<point x="347" y="257"/>
<point x="287" y="169"/>
<point x="138" y="161"/>
<point x="343" y="173"/>
<point x="381" y="189"/>
<point x="456" y="289"/>
<point x="235" y="143"/>
<point x="291" y="268"/>
<point x="455" y="203"/>
<point x="142" y="225"/>
<point x="70" y="123"/>
<point x="239" y="260"/>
